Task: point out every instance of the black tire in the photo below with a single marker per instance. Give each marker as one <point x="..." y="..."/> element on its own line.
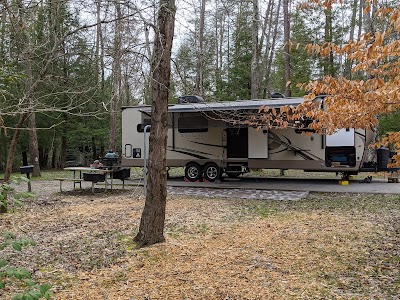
<point x="211" y="172"/>
<point x="193" y="171"/>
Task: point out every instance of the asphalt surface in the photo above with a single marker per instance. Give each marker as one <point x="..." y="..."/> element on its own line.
<point x="376" y="186"/>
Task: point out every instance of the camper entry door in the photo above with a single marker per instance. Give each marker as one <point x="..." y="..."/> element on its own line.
<point x="247" y="142"/>
<point x="258" y="143"/>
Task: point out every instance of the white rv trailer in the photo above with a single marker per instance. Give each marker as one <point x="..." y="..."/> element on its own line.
<point x="202" y="140"/>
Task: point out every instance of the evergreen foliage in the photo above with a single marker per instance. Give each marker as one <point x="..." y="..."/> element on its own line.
<point x="72" y="72"/>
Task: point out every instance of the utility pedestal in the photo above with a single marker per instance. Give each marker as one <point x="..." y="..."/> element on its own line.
<point x="27" y="170"/>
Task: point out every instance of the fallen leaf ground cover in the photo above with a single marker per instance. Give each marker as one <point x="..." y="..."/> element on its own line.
<point x="328" y="246"/>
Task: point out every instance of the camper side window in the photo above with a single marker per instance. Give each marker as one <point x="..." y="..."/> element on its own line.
<point x="140" y="127"/>
<point x="192" y="124"/>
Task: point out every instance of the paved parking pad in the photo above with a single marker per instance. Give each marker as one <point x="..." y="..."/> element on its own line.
<point x="238" y="193"/>
<point x="286" y="184"/>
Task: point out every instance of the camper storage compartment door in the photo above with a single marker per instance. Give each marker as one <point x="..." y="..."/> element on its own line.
<point x="343" y="137"/>
<point x="340" y="150"/>
<point x="258" y="143"/>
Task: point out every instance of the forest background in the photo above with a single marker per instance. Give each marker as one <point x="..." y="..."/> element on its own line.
<point x="68" y="66"/>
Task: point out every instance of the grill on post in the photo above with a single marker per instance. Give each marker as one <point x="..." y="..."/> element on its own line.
<point x="110" y="159"/>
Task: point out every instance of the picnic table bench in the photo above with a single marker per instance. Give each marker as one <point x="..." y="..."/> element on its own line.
<point x="95" y="175"/>
<point x="74" y="180"/>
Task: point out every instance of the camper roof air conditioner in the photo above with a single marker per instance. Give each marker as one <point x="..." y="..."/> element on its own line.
<point x="190" y="99"/>
<point x="276" y="95"/>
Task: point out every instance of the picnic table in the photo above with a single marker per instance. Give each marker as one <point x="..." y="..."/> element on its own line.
<point x="93" y="175"/>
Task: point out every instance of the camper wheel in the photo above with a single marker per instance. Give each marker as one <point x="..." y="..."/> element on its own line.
<point x="211" y="172"/>
<point x="193" y="171"/>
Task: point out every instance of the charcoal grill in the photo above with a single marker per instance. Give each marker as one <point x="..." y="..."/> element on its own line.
<point x="122" y="174"/>
<point x="110" y="159"/>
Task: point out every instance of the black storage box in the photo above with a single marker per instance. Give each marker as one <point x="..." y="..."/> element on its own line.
<point x="26" y="169"/>
<point x="382" y="156"/>
<point x="122" y="174"/>
<point x="94" y="177"/>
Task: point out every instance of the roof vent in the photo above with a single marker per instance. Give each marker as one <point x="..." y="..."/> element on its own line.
<point x="190" y="99"/>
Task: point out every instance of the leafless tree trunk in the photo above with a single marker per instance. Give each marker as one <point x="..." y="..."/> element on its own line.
<point x="360" y="19"/>
<point x="271" y="48"/>
<point x="116" y="86"/>
<point x="127" y="90"/>
<point x="200" y="58"/>
<point x="11" y="152"/>
<point x="255" y="79"/>
<point x="99" y="36"/>
<point x="353" y="19"/>
<point x="219" y="41"/>
<point x="348" y="65"/>
<point x="228" y="35"/>
<point x="149" y="54"/>
<point x="329" y="68"/>
<point x="151" y="228"/>
<point x="264" y="58"/>
<point x="28" y="93"/>
<point x="286" y="54"/>
<point x="33" y="142"/>
<point x="53" y="151"/>
<point x="63" y="153"/>
<point x="367" y="20"/>
<point x="3" y="34"/>
<point x="33" y="146"/>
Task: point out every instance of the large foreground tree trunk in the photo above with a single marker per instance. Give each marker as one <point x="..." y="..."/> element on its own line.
<point x="151" y="228"/>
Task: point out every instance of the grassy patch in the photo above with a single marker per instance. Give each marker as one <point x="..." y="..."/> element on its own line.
<point x="336" y="202"/>
<point x="258" y="208"/>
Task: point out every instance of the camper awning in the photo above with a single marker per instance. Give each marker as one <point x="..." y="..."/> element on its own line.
<point x="228" y="105"/>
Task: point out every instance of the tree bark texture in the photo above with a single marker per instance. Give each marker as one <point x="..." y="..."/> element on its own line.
<point x="286" y="54"/>
<point x="116" y="85"/>
<point x="26" y="48"/>
<point x="272" y="47"/>
<point x="98" y="38"/>
<point x="255" y="81"/>
<point x="11" y="153"/>
<point x="34" y="146"/>
<point x="13" y="147"/>
<point x="64" y="144"/>
<point x="348" y="64"/>
<point x="151" y="228"/>
<point x="200" y="58"/>
<point x="329" y="68"/>
<point x="267" y="23"/>
<point x="33" y="140"/>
